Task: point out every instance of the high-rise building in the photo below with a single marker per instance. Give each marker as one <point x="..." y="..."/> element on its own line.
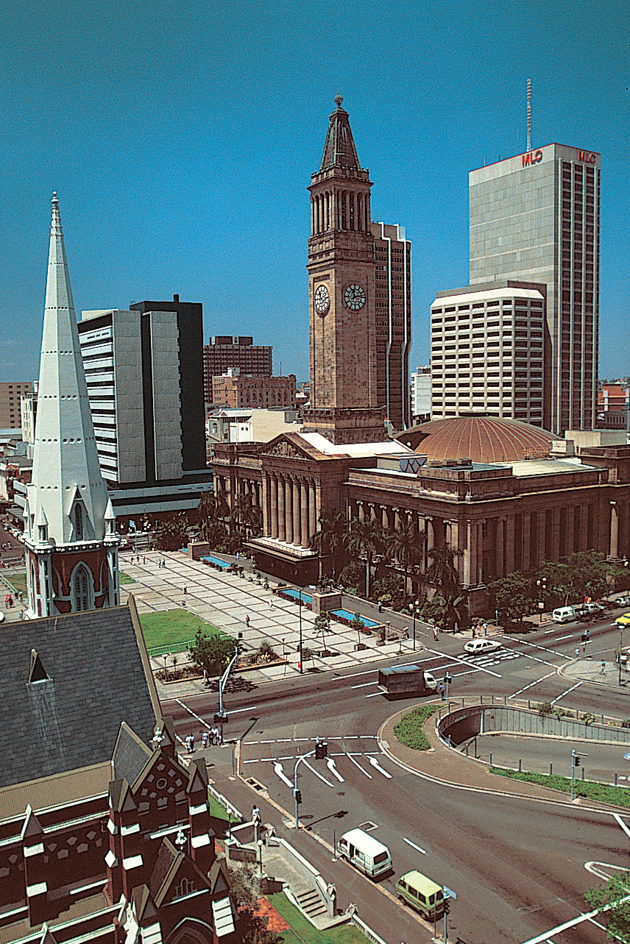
<point x="393" y="321"/>
<point x="70" y="534"/>
<point x="225" y="352"/>
<point x="11" y="394"/>
<point x="359" y="301"/>
<point x="421" y="394"/>
<point x="145" y="382"/>
<point x="487" y="351"/>
<point x="535" y="218"/>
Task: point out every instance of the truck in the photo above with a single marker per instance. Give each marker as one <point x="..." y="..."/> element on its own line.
<point x="401" y="681"/>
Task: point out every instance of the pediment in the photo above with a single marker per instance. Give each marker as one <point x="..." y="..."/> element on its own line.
<point x="285" y="446"/>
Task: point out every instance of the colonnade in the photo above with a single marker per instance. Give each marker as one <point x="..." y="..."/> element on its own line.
<point x="291" y="508"/>
<point x="338" y="209"/>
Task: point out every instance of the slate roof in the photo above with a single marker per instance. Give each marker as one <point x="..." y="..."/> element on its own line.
<point x="95" y="675"/>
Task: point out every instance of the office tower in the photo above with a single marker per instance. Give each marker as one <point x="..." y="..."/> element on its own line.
<point x="70" y="535"/>
<point x="359" y="301"/>
<point x="393" y="321"/>
<point x="421" y="394"/>
<point x="11" y="394"/>
<point x="145" y="382"/>
<point x="535" y="218"/>
<point x="487" y="351"/>
<point x="225" y="352"/>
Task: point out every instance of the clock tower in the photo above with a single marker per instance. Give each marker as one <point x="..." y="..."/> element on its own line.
<point x="342" y="297"/>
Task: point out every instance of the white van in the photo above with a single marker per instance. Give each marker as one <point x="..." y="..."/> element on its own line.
<point x="564" y="614"/>
<point x="364" y="852"/>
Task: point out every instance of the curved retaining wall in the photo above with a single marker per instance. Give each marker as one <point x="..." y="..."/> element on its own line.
<point x="461" y="724"/>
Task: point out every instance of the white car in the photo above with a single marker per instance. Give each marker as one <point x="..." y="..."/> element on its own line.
<point x="476" y="646"/>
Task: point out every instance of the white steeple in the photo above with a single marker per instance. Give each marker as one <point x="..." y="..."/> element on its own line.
<point x="67" y="501"/>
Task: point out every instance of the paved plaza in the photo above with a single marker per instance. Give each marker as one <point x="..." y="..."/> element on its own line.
<point x="226" y="599"/>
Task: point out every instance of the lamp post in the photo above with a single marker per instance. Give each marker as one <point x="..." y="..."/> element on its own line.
<point x="260" y="849"/>
<point x="300" y="609"/>
<point x="415" y="608"/>
<point x="541" y="583"/>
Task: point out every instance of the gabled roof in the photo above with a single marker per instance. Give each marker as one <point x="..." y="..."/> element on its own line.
<point x="131" y="755"/>
<point x="171" y="867"/>
<point x="339" y="149"/>
<point x="63" y="708"/>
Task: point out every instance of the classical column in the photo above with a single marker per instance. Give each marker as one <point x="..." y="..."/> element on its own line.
<point x="498" y="553"/>
<point x="614" y="529"/>
<point x="297" y="513"/>
<point x="273" y="508"/>
<point x="526" y="538"/>
<point x="288" y="510"/>
<point x="396" y="512"/>
<point x="509" y="545"/>
<point x="468" y="555"/>
<point x="312" y="508"/>
<point x="541" y="520"/>
<point x="570" y="530"/>
<point x="306" y="536"/>
<point x="266" y="524"/>
<point x="281" y="520"/>
<point x="384" y="518"/>
<point x="555" y="533"/>
<point x="361" y="511"/>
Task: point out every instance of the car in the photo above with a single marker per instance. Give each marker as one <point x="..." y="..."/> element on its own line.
<point x="622" y="620"/>
<point x="622" y="601"/>
<point x="477" y="646"/>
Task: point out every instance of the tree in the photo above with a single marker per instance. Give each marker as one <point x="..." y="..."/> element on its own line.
<point x="358" y="626"/>
<point x="446" y="609"/>
<point x="368" y="541"/>
<point x="172" y="533"/>
<point x="331" y="538"/>
<point x="442" y="572"/>
<point x="245" y="892"/>
<point x="406" y="545"/>
<point x="212" y="653"/>
<point x="513" y="596"/>
<point x="322" y="625"/>
<point x="613" y="899"/>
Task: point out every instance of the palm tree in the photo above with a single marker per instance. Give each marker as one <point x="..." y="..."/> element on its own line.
<point x="406" y="545"/>
<point x="442" y="572"/>
<point x="331" y="538"/>
<point x="367" y="539"/>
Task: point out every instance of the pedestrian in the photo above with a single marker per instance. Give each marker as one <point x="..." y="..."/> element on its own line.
<point x="442" y="689"/>
<point x="247" y="620"/>
<point x="577" y="653"/>
<point x="185" y="589"/>
<point x="256" y="817"/>
<point x="406" y="632"/>
<point x="435" y="633"/>
<point x="204" y="739"/>
<point x="472" y="630"/>
<point x="271" y="604"/>
<point x="20" y="595"/>
<point x="205" y="676"/>
<point x="144" y="560"/>
<point x="602" y="670"/>
<point x="456" y="628"/>
<point x="485" y="629"/>
<point x="448" y="678"/>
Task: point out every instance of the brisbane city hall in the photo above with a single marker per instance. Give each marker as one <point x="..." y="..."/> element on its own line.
<point x="506" y="494"/>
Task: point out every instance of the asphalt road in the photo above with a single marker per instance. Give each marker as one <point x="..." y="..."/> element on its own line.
<point x="518" y="865"/>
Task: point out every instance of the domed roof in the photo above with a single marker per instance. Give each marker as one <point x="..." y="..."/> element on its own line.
<point x="478" y="437"/>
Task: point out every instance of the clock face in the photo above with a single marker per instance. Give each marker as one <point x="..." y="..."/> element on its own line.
<point x="354" y="296"/>
<point x="322" y="300"/>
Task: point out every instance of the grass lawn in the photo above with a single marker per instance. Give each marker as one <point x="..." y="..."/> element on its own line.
<point x="166" y="631"/>
<point x="17" y="579"/>
<point x="304" y="930"/>
<point x="124" y="578"/>
<point x="604" y="792"/>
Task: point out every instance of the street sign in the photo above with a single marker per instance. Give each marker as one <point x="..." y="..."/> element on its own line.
<point x="449" y="893"/>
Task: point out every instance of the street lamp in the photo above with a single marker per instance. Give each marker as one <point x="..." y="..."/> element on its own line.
<point x="541" y="583"/>
<point x="300" y="609"/>
<point x="260" y="849"/>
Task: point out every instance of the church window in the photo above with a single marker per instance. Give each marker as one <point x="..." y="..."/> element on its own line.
<point x="78" y="523"/>
<point x="82" y="588"/>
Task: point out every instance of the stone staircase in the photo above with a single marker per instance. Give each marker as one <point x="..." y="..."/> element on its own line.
<point x="310" y="902"/>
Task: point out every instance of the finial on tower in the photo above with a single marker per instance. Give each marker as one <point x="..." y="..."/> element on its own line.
<point x="339" y="100"/>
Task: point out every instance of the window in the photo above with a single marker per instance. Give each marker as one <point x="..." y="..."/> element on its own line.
<point x="81" y="588"/>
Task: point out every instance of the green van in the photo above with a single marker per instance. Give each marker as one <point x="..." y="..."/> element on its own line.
<point x="421" y="893"/>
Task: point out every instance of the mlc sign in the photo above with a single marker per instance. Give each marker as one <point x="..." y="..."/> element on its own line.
<point x="532" y="157"/>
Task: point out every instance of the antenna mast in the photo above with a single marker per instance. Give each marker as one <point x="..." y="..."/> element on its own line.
<point x="529" y="114"/>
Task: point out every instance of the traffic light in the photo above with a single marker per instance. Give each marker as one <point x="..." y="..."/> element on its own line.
<point x="447" y="906"/>
<point x="298" y="796"/>
<point x="576" y="760"/>
<point x="321" y="749"/>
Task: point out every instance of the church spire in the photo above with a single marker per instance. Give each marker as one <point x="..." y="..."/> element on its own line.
<point x="67" y="498"/>
<point x="339" y="149"/>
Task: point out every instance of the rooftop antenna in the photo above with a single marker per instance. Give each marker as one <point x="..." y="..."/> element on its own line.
<point x="529" y="114"/>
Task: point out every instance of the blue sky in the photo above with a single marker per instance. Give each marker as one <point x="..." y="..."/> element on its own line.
<point x="181" y="138"/>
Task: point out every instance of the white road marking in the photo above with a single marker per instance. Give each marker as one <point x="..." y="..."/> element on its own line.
<point x="317" y="774"/>
<point x="356" y="764"/>
<point x="410" y="843"/>
<point x="622" y="824"/>
<point x="568" y="691"/>
<point x="364" y="684"/>
<point x="374" y="695"/>
<point x="531" y="685"/>
<point x="191" y="712"/>
<point x="380" y="769"/>
<point x="279" y="771"/>
<point x="333" y="769"/>
<point x="560" y="638"/>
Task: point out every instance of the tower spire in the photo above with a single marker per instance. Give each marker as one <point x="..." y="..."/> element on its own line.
<point x="339" y="149"/>
<point x="67" y="498"/>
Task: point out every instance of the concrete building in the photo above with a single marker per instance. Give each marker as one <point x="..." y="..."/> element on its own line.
<point x="145" y="382"/>
<point x="250" y="425"/>
<point x="393" y="321"/>
<point x="358" y="351"/>
<point x="225" y="352"/>
<point x="421" y="394"/>
<point x="535" y="218"/>
<point x="487" y="351"/>
<point x="11" y="394"/>
<point x="237" y="391"/>
<point x="69" y="522"/>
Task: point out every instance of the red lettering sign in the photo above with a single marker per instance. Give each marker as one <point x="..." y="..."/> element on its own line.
<point x="532" y="157"/>
<point x="587" y="157"/>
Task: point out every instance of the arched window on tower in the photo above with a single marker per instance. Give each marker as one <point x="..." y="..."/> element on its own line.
<point x="82" y="589"/>
<point x="78" y="523"/>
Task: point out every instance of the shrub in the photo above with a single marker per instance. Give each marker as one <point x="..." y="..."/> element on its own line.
<point x="410" y="729"/>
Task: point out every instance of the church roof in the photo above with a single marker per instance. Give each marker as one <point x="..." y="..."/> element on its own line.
<point x="67" y="684"/>
<point x="339" y="149"/>
<point x="65" y="459"/>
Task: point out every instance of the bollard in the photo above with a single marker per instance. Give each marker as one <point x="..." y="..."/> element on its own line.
<point x="551" y="770"/>
<point x="615" y="778"/>
<point x="491" y="758"/>
<point x="582" y="773"/>
<point x="520" y="764"/>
